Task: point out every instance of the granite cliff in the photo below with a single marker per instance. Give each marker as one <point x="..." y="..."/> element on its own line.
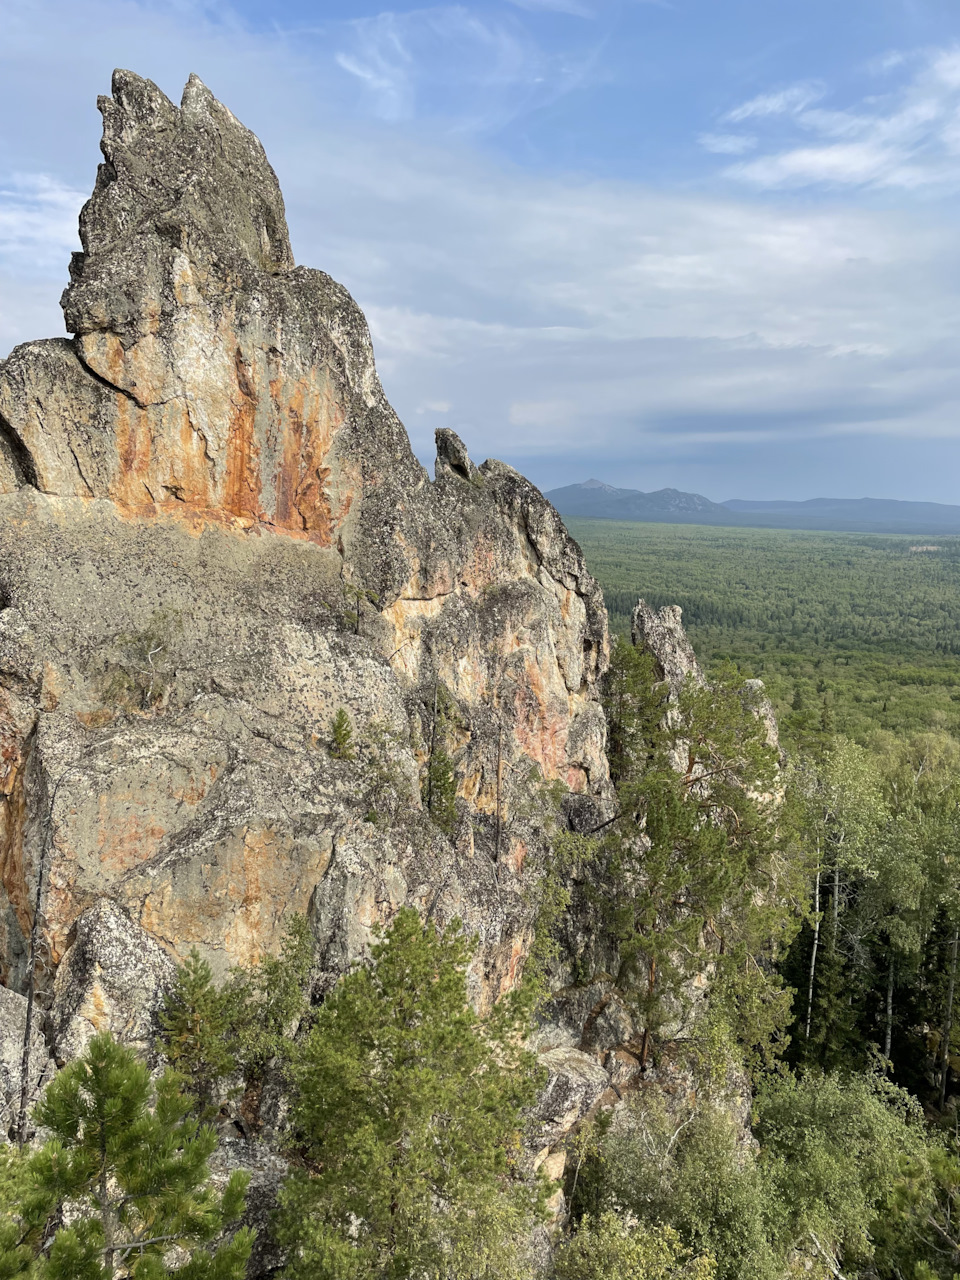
<point x="214" y="536"/>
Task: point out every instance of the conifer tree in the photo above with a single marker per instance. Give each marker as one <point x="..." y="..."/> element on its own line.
<point x="268" y="1000"/>
<point x="128" y="1164"/>
<point x="341" y="737"/>
<point x="198" y="1039"/>
<point x="407" y="1107"/>
<point x="693" y="873"/>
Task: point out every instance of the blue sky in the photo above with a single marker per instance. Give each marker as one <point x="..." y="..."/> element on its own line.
<point x="703" y="243"/>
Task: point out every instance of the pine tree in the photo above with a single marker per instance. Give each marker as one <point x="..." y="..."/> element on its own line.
<point x="407" y="1106"/>
<point x="130" y="1164"/>
<point x="268" y="1000"/>
<point x="197" y="1037"/>
<point x="693" y="851"/>
<point x="341" y="737"/>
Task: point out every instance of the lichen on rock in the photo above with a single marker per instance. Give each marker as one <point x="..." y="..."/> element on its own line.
<point x="214" y="540"/>
<point x="214" y="535"/>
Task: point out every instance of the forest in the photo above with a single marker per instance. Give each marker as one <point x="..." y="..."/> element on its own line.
<point x="860" y="630"/>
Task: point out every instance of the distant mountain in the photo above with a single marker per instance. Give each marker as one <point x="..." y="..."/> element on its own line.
<point x="598" y="501"/>
<point x="595" y="500"/>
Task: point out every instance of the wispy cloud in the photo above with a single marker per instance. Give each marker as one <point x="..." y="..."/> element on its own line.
<point x="727" y="144"/>
<point x="38" y="223"/>
<point x="472" y="71"/>
<point x="784" y="102"/>
<point x="909" y="138"/>
<point x="571" y="7"/>
<point x="551" y="318"/>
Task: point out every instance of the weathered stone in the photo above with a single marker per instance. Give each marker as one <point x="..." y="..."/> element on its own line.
<point x="215" y="534"/>
<point x="762" y="708"/>
<point x="575" y="1082"/>
<point x="112" y="978"/>
<point x="660" y="633"/>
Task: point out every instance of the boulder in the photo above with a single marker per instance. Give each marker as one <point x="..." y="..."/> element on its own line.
<point x="112" y="978"/>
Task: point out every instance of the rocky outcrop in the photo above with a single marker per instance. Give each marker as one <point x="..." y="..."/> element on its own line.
<point x="112" y="977"/>
<point x="661" y="634"/>
<point x="213" y="536"/>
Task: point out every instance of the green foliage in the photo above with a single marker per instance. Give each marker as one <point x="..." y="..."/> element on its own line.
<point x="268" y="1000"/>
<point x="918" y="1236"/>
<point x="858" y="617"/>
<point x="387" y="785"/>
<point x="408" y="1107"/>
<point x="694" y="873"/>
<point x="683" y="1167"/>
<point x="210" y="1034"/>
<point x="568" y="854"/>
<point x="614" y="1248"/>
<point x="197" y="1034"/>
<point x="847" y="1181"/>
<point x="121" y="1182"/>
<point x="836" y="1150"/>
<point x="341" y="737"/>
<point x="23" y="1214"/>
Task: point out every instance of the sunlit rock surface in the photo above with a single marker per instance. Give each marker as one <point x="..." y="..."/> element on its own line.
<point x="213" y="535"/>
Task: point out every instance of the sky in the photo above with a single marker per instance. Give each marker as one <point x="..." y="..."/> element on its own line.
<point x="707" y="244"/>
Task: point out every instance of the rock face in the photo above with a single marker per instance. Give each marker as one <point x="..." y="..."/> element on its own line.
<point x="213" y="536"/>
<point x="661" y="633"/>
<point x="112" y="978"/>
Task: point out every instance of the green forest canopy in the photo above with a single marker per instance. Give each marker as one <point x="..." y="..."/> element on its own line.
<point x="861" y="631"/>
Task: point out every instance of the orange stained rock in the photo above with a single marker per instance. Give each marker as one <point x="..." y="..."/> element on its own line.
<point x="133" y="451"/>
<point x="13" y="817"/>
<point x="125" y="842"/>
<point x="239" y="899"/>
<point x="514" y="968"/>
<point x="541" y="735"/>
<point x="516" y="856"/>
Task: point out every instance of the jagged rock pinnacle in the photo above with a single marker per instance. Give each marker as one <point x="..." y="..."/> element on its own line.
<point x="214" y="536"/>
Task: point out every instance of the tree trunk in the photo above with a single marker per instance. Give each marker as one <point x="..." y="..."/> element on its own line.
<point x="836" y="904"/>
<point x="816" y="944"/>
<point x="888" y="1036"/>
<point x="107" y="1219"/>
<point x="433" y="747"/>
<point x="948" y="1017"/>
<point x="499" y="827"/>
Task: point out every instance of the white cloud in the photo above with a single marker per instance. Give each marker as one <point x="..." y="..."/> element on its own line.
<point x="38" y="223"/>
<point x="448" y="63"/>
<point x="908" y="139"/>
<point x="571" y="7"/>
<point x="727" y="144"/>
<point x="549" y="317"/>
<point x="785" y="102"/>
<point x="887" y="62"/>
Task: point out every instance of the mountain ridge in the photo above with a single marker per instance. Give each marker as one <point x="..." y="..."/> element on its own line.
<point x="596" y="500"/>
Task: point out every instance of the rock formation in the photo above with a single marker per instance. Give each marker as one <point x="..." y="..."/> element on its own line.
<point x="214" y="535"/>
